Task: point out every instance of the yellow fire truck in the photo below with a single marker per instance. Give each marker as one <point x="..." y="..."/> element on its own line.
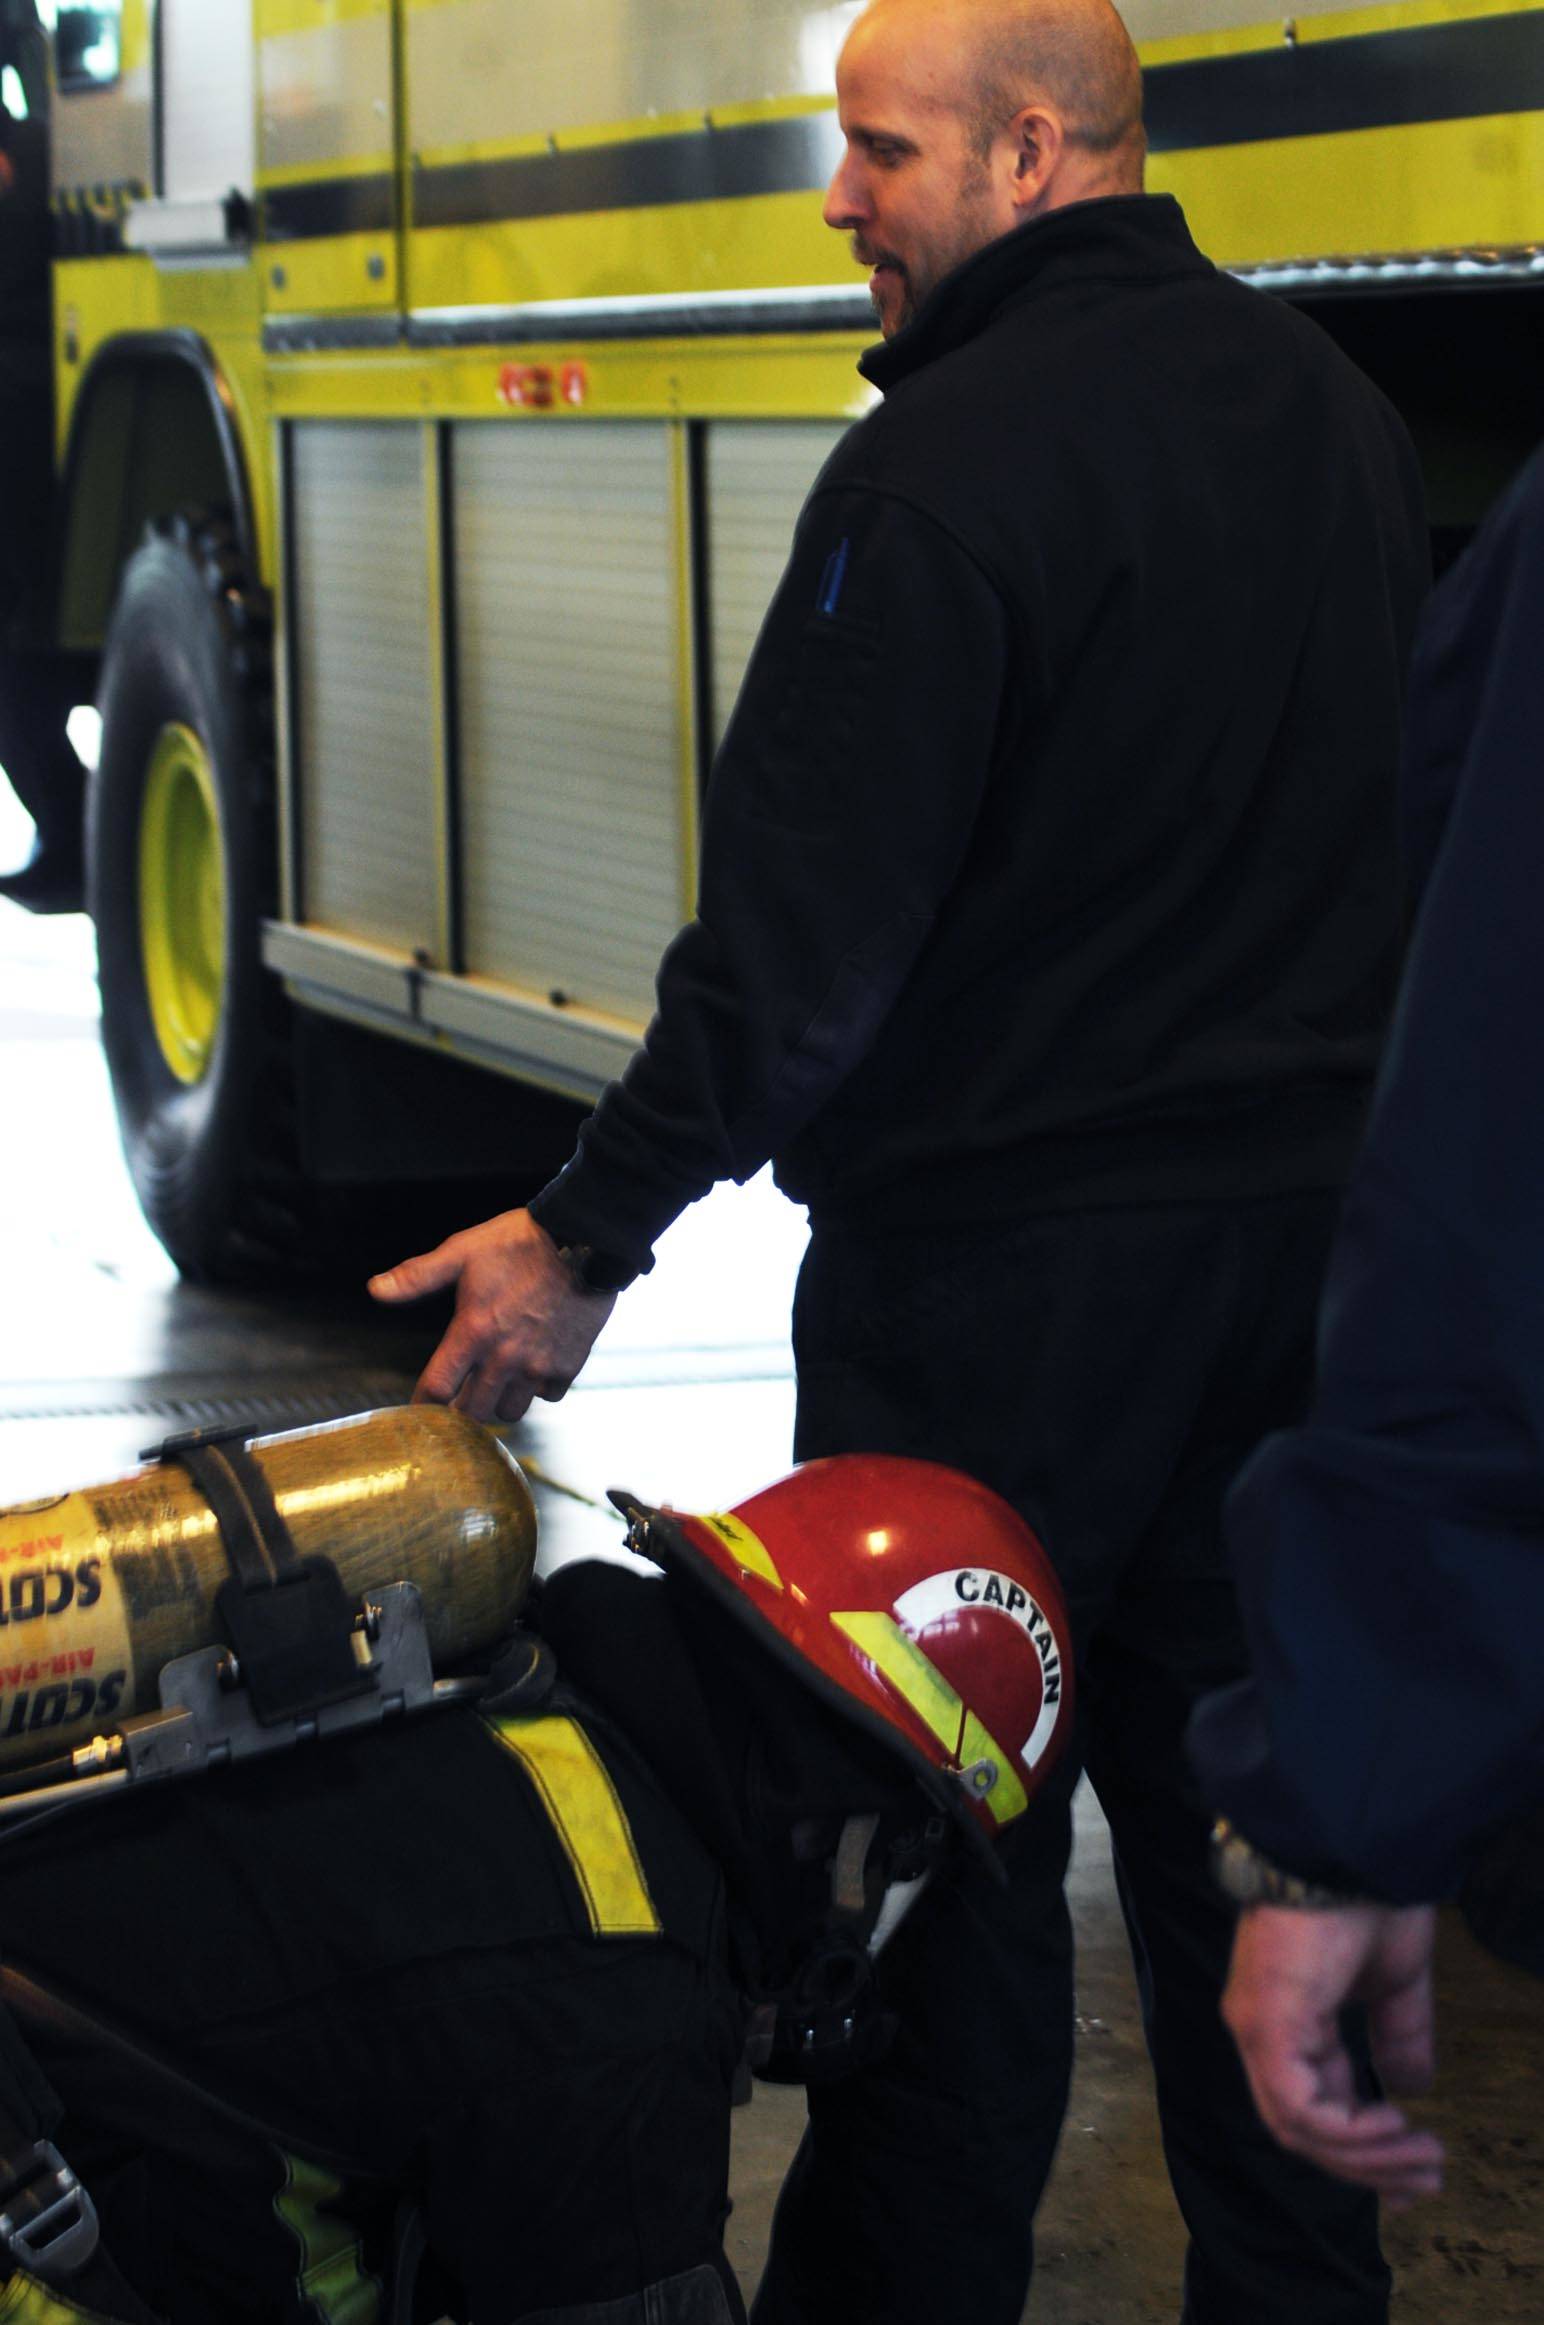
<point x="435" y="385"/>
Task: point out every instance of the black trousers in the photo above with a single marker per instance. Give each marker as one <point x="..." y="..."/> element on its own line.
<point x="1106" y="1372"/>
<point x="557" y="2115"/>
<point x="375" y="1948"/>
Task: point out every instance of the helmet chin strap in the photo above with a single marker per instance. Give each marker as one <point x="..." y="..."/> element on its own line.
<point x="827" y="2019"/>
<point x="897" y="1902"/>
<point x="849" y="1887"/>
<point x="852" y="1889"/>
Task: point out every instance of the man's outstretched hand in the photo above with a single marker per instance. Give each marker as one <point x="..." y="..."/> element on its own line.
<point x="1293" y="1972"/>
<point x="522" y="1328"/>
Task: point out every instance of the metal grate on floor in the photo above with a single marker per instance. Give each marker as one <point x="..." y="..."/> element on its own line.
<point x="197" y="1401"/>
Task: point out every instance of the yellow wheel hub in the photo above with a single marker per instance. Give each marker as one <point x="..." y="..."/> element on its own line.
<point x="182" y="901"/>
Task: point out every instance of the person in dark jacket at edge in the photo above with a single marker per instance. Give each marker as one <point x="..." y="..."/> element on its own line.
<point x="1045" y="937"/>
<point x="35" y="690"/>
<point x="444" y="2017"/>
<point x="1389" y="1749"/>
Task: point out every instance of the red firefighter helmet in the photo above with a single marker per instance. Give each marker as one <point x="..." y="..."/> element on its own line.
<point x="913" y="1599"/>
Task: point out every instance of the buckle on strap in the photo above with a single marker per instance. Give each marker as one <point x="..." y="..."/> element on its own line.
<point x="48" y="2223"/>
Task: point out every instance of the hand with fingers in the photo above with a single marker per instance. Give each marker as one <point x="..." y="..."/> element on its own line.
<point x="523" y="1327"/>
<point x="1293" y="1973"/>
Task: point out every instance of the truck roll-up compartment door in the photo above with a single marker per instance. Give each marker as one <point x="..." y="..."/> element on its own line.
<point x="569" y="618"/>
<point x="365" y="698"/>
<point x="758" y="473"/>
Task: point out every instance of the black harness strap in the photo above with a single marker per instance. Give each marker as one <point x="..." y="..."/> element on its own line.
<point x="288" y="1617"/>
<point x="48" y="2223"/>
<point x="222" y="2132"/>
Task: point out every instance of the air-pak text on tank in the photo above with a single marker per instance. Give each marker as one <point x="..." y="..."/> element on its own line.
<point x="46" y="1667"/>
<point x="40" y="1546"/>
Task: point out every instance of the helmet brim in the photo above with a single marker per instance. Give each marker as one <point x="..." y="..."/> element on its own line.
<point x="673" y="1550"/>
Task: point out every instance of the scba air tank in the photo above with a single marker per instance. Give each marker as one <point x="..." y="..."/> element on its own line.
<point x="100" y="1588"/>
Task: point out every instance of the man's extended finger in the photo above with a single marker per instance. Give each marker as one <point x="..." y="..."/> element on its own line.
<point x="1375" y="2145"/>
<point x="410" y="1279"/>
<point x="452" y="1363"/>
<point x="1400" y="2174"/>
<point x="1397" y="2189"/>
<point x="1402" y="2030"/>
<point x="514" y="1402"/>
<point x="1377" y="2131"/>
<point x="1303" y="2098"/>
<point x="495" y="1391"/>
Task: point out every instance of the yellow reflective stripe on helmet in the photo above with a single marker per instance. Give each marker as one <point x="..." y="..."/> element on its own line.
<point x="918" y="1683"/>
<point x="332" y="2277"/>
<point x="589" y="1820"/>
<point x="23" y="2301"/>
<point x="746" y="1548"/>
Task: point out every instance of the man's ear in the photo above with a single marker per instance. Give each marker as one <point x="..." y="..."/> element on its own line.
<point x="1038" y="144"/>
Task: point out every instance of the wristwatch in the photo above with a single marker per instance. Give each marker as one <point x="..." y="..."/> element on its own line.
<point x="596" y="1271"/>
<point x="1243" y="1873"/>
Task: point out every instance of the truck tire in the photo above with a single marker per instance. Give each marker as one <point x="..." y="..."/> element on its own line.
<point x="181" y="867"/>
<point x="210" y="1078"/>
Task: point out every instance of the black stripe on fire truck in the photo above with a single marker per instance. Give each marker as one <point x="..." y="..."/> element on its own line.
<point x="1376" y="80"/>
<point x="697" y="165"/>
<point x="322" y="206"/>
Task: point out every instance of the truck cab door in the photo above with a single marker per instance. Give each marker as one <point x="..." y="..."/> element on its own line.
<point x="327" y="155"/>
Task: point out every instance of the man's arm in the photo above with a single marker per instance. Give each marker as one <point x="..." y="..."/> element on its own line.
<point x="1387" y="1553"/>
<point x="840" y="809"/>
<point x="1304" y="1953"/>
<point x="1293" y="1974"/>
<point x="1393" y="1593"/>
<point x="524" y="1323"/>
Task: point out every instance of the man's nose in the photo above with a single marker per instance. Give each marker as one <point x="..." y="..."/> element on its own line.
<point x="843" y="207"/>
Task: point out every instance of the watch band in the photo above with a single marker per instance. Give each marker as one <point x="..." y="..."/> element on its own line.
<point x="596" y="1271"/>
<point x="1244" y="1873"/>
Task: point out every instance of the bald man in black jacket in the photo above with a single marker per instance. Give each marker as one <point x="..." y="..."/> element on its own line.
<point x="1046" y="930"/>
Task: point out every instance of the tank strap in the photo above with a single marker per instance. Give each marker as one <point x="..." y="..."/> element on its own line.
<point x="257" y="1541"/>
<point x="288" y="1617"/>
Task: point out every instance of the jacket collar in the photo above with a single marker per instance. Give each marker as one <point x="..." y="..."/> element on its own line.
<point x="1120" y="238"/>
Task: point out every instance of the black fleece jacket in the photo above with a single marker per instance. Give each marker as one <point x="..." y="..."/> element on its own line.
<point x="1389" y="1553"/>
<point x="1049" y="857"/>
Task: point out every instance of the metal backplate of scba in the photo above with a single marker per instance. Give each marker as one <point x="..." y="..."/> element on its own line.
<point x="206" y="1718"/>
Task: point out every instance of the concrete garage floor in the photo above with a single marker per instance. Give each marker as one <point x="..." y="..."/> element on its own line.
<point x="689" y="1398"/>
